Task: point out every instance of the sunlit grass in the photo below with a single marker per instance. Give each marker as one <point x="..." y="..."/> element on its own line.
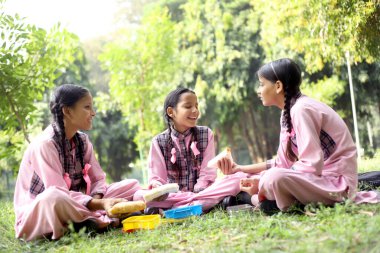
<point x="345" y="227"/>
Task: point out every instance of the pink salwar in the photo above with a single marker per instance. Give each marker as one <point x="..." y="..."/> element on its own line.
<point x="52" y="210"/>
<point x="315" y="176"/>
<point x="208" y="198"/>
<point x="49" y="211"/>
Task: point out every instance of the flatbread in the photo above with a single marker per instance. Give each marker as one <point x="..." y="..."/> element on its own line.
<point x="213" y="163"/>
<point x="161" y="190"/>
<point x="127" y="207"/>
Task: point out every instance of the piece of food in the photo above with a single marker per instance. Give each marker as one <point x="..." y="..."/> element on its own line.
<point x="127" y="207"/>
<point x="213" y="163"/>
<point x="161" y="190"/>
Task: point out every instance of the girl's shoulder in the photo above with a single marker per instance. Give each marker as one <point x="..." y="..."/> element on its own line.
<point x="43" y="141"/>
<point x="204" y="129"/>
<point x="162" y="138"/>
<point x="307" y="103"/>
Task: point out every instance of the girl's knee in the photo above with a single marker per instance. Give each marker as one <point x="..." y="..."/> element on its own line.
<point x="273" y="178"/>
<point x="134" y="184"/>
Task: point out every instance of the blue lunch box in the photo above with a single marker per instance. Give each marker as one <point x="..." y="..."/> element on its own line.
<point x="183" y="212"/>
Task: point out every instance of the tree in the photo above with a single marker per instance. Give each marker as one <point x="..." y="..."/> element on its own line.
<point x="113" y="141"/>
<point x="30" y="60"/>
<point x="141" y="67"/>
<point x="220" y="54"/>
<point x="323" y="31"/>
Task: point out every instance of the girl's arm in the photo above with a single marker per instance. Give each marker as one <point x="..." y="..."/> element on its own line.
<point x="157" y="171"/>
<point x="46" y="164"/>
<point x="104" y="204"/>
<point x="308" y="120"/>
<point x="206" y="175"/>
<point x="228" y="167"/>
<point x="96" y="173"/>
<point x="252" y="168"/>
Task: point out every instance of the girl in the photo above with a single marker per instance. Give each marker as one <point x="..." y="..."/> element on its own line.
<point x="180" y="155"/>
<point x="60" y="179"/>
<point x="316" y="158"/>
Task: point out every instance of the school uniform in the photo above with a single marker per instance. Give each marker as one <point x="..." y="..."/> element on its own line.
<point x="48" y="195"/>
<point x="181" y="161"/>
<point x="326" y="170"/>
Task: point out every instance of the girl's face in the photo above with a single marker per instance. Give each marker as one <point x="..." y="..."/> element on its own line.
<point x="271" y="93"/>
<point x="79" y="116"/>
<point x="186" y="113"/>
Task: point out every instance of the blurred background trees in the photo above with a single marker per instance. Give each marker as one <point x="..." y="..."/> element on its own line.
<point x="214" y="47"/>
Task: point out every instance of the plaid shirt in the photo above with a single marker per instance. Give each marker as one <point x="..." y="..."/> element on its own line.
<point x="73" y="163"/>
<point x="184" y="171"/>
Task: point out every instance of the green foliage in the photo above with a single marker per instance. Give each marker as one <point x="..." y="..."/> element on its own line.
<point x="141" y="67"/>
<point x="113" y="142"/>
<point x="323" y="31"/>
<point x="30" y="60"/>
<point x="220" y="55"/>
<point x="325" y="90"/>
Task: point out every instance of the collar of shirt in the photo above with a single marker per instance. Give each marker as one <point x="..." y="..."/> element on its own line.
<point x="179" y="135"/>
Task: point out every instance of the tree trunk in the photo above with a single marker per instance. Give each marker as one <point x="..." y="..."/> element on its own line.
<point x="248" y="140"/>
<point x="257" y="135"/>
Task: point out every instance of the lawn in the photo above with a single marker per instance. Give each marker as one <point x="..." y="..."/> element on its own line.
<point x="345" y="227"/>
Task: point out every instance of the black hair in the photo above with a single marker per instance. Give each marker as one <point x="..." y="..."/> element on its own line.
<point x="66" y="95"/>
<point x="289" y="73"/>
<point x="172" y="100"/>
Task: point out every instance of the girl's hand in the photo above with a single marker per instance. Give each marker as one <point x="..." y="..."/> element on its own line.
<point x="249" y="185"/>
<point x="97" y="196"/>
<point x="227" y="166"/>
<point x="108" y="203"/>
<point x="155" y="185"/>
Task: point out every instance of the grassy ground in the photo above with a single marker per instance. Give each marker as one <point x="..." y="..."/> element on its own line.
<point x="343" y="228"/>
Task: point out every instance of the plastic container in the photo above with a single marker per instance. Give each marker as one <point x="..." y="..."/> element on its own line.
<point x="183" y="212"/>
<point x="141" y="222"/>
<point x="239" y="208"/>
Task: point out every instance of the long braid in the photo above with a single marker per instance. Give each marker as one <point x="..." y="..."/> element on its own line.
<point x="80" y="148"/>
<point x="61" y="128"/>
<point x="288" y="121"/>
<point x="66" y="95"/>
<point x="289" y="73"/>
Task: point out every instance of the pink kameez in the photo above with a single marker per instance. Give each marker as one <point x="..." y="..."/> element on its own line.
<point x="214" y="191"/>
<point x="316" y="176"/>
<point x="48" y="213"/>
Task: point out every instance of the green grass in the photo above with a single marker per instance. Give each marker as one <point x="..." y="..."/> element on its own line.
<point x="345" y="227"/>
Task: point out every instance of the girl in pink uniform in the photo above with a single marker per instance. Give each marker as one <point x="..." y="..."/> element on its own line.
<point x="181" y="153"/>
<point x="316" y="158"/>
<point x="60" y="180"/>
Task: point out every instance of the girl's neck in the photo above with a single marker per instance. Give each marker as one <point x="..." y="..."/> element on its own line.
<point x="69" y="131"/>
<point x="180" y="130"/>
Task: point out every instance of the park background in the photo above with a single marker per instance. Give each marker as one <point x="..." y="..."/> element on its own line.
<point x="214" y="47"/>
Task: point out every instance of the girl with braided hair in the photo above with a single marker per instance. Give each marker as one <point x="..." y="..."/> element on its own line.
<point x="180" y="155"/>
<point x="316" y="158"/>
<point x="60" y="181"/>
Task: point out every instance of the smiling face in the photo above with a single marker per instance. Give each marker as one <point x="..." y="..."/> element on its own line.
<point x="79" y="116"/>
<point x="271" y="93"/>
<point x="185" y="114"/>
